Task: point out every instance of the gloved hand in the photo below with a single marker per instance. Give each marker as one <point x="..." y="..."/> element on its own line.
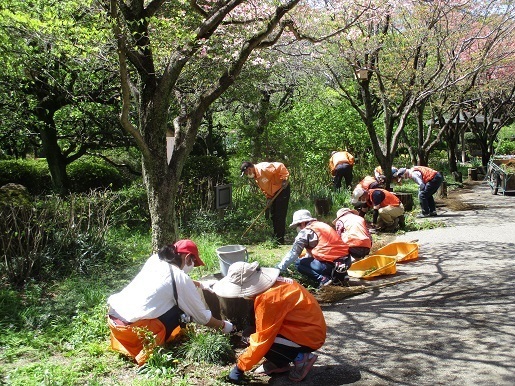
<point x="421" y="187"/>
<point x="236" y="375"/>
<point x="228" y="327"/>
<point x="208" y="285"/>
<point x="284" y="184"/>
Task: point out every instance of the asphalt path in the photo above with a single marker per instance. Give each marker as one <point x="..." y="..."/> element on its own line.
<point x="453" y="325"/>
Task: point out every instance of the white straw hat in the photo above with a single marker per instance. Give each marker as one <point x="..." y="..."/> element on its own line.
<point x="245" y="279"/>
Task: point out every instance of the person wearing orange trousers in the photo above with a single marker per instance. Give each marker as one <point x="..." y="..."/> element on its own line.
<point x="156" y="299"/>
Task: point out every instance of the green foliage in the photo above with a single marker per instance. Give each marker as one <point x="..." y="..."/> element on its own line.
<point x="33" y="174"/>
<point x="56" y="236"/>
<point x="203" y="345"/>
<point x="505" y="146"/>
<point x="88" y="174"/>
<point x="134" y="206"/>
<point x="161" y="363"/>
<point x="200" y="176"/>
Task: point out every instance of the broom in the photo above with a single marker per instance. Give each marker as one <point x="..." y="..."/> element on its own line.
<point x="330" y="294"/>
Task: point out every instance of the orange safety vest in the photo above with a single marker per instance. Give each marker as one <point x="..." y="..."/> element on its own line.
<point x="341" y="157"/>
<point x="367" y="181"/>
<point x="356" y="232"/>
<point x="427" y="173"/>
<point x="269" y="176"/>
<point x="126" y="340"/>
<point x="285" y="309"/>
<point x="330" y="245"/>
<point x="389" y="199"/>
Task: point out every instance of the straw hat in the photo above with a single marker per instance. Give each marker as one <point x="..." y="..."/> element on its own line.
<point x="300" y="216"/>
<point x="342" y="212"/>
<point x="245" y="280"/>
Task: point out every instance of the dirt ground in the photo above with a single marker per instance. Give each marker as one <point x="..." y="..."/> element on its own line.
<point x="452" y="325"/>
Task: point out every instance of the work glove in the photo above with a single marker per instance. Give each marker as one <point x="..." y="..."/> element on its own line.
<point x="421" y="187"/>
<point x="284" y="184"/>
<point x="228" y="327"/>
<point x="236" y="375"/>
<point x="208" y="285"/>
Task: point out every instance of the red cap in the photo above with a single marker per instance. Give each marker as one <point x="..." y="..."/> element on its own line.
<point x="188" y="246"/>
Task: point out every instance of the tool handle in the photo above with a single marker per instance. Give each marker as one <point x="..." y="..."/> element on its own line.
<point x="263" y="211"/>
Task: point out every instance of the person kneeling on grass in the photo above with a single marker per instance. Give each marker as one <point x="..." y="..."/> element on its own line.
<point x="289" y="322"/>
<point x="156" y="300"/>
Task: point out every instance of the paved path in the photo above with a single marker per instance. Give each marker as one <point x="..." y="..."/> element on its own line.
<point x="454" y="325"/>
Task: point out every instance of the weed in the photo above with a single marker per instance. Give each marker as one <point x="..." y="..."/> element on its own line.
<point x="203" y="345"/>
<point x="161" y="362"/>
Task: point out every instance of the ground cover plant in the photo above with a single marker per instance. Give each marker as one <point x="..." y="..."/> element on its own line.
<point x="55" y="329"/>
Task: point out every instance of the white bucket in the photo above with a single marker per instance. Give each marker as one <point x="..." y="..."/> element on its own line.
<point x="231" y="254"/>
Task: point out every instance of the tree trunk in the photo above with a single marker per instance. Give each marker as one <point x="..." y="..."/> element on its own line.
<point x="161" y="191"/>
<point x="56" y="160"/>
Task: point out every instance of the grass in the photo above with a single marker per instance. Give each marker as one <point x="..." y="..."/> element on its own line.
<point x="55" y="333"/>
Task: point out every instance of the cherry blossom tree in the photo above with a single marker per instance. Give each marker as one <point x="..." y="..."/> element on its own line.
<point x="403" y="53"/>
<point x="176" y="59"/>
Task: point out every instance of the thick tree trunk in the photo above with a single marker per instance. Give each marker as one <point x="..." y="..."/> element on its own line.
<point x="56" y="160"/>
<point x="161" y="191"/>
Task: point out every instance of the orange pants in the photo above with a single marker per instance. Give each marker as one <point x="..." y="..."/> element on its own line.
<point x="127" y="341"/>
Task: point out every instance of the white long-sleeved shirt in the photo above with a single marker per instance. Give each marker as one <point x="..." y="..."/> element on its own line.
<point x="150" y="294"/>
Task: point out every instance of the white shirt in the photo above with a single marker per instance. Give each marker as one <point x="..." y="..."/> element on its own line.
<point x="150" y="294"/>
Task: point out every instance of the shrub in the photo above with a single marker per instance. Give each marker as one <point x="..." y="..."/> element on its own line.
<point x="200" y="176"/>
<point x="56" y="236"/>
<point x="134" y="205"/>
<point x="33" y="174"/>
<point x="505" y="146"/>
<point x="88" y="174"/>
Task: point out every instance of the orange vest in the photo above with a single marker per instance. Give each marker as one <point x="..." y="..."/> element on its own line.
<point x="286" y="309"/>
<point x="427" y="173"/>
<point x="365" y="182"/>
<point x="356" y="232"/>
<point x="341" y="157"/>
<point x="389" y="199"/>
<point x="330" y="246"/>
<point x="269" y="176"/>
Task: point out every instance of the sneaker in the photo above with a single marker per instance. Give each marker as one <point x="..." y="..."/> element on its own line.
<point x="325" y="282"/>
<point x="433" y="214"/>
<point x="423" y="215"/>
<point x="301" y="368"/>
<point x="268" y="368"/>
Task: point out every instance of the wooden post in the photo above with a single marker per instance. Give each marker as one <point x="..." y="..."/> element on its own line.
<point x="442" y="190"/>
<point x="472" y="174"/>
<point x="406" y="199"/>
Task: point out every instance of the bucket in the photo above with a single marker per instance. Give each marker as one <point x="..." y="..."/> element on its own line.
<point x="231" y="254"/>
